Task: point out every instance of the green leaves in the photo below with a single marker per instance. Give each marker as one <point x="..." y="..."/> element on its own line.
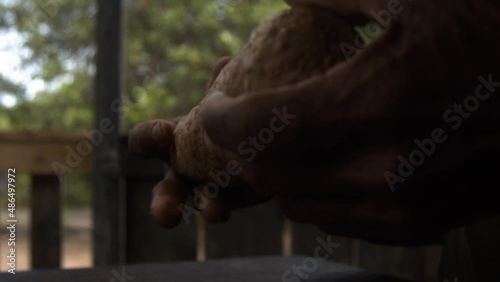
<point x="170" y="48"/>
<point x="7" y="87"/>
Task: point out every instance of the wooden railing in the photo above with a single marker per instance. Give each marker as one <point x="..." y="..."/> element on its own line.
<point x="34" y="153"/>
<point x="259" y="231"/>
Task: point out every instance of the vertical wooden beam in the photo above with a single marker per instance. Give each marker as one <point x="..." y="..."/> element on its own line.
<point x="108" y="202"/>
<point x="45" y="222"/>
<point x="431" y="259"/>
<point x="287" y="235"/>
<point x="355" y="252"/>
<point x="201" y="238"/>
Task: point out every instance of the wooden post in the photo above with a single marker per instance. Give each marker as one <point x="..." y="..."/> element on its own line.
<point x="108" y="201"/>
<point x="46" y="222"/>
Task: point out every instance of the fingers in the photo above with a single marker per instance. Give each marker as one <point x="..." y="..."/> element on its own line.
<point x="356" y="211"/>
<point x="168" y="194"/>
<point x="152" y="138"/>
<point x="422" y="207"/>
<point x="217" y="207"/>
<point x="381" y="220"/>
<point x="216" y="210"/>
<point x="357" y="174"/>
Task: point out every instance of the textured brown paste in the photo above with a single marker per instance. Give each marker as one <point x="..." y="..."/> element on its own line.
<point x="292" y="46"/>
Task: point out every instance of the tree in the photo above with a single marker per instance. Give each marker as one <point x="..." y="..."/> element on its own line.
<point x="170" y="49"/>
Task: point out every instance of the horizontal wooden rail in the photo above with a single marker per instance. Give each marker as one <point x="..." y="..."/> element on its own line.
<point x="46" y="153"/>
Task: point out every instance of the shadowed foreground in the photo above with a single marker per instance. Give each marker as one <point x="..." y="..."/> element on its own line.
<point x="268" y="269"/>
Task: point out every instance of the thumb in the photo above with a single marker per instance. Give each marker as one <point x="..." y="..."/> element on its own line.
<point x="232" y="122"/>
<point x="152" y="139"/>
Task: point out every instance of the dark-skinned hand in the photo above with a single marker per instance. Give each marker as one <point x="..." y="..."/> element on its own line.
<point x="348" y="160"/>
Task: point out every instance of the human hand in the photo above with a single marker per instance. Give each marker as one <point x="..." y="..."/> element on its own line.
<point x="274" y="55"/>
<point x="181" y="193"/>
<point x="429" y="79"/>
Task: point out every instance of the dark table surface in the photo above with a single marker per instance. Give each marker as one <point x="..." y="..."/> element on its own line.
<point x="266" y="269"/>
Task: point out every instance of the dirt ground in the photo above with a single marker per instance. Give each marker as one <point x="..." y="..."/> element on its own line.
<point x="77" y="243"/>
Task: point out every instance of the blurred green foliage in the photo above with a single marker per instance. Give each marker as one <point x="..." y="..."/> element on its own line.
<point x="169" y="50"/>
